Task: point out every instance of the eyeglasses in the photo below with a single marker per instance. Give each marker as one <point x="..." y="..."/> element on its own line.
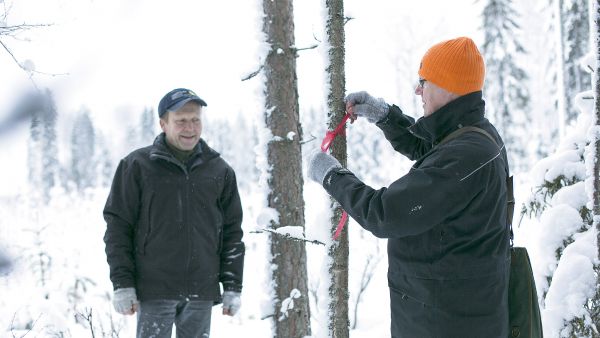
<point x="422" y="83"/>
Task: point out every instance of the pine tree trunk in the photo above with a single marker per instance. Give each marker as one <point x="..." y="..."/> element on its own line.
<point x="577" y="33"/>
<point x="288" y="258"/>
<point x="338" y="251"/>
<point x="595" y="46"/>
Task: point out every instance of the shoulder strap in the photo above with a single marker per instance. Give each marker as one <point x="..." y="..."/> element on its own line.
<point x="510" y="196"/>
<point x="510" y="205"/>
<point x="466" y="129"/>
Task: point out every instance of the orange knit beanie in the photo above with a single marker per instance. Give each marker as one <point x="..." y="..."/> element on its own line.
<point x="455" y="65"/>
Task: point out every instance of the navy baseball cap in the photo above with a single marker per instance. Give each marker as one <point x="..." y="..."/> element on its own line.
<point x="176" y="98"/>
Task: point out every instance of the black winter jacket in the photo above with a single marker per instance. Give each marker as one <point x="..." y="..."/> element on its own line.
<point x="448" y="246"/>
<point x="174" y="231"/>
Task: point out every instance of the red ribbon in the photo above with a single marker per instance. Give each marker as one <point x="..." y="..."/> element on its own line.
<point x="329" y="137"/>
<point x="331" y="134"/>
<point x="340" y="226"/>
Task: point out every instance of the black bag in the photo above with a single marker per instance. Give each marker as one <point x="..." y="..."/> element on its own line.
<point x="523" y="308"/>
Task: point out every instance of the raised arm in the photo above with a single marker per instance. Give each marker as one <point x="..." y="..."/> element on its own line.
<point x="390" y="120"/>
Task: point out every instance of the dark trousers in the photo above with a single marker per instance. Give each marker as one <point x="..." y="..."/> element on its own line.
<point x="191" y="318"/>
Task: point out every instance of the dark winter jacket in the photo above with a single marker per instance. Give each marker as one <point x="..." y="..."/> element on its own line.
<point x="174" y="230"/>
<point x="448" y="246"/>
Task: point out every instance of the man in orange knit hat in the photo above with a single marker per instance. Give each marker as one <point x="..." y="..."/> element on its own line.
<point x="448" y="246"/>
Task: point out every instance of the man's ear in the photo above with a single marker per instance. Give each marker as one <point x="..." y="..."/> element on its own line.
<point x="162" y="123"/>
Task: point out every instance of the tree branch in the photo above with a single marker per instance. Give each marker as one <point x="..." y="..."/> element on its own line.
<point x="253" y="74"/>
<point x="88" y="317"/>
<point x="306" y="48"/>
<point x="12" y="323"/>
<point x="10" y="30"/>
<point x="12" y="55"/>
<point x="267" y="317"/>
<point x="312" y="138"/>
<point x="287" y="236"/>
<point x="293" y="49"/>
<point x="315" y="37"/>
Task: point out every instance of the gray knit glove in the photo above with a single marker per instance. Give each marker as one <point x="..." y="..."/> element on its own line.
<point x="125" y="301"/>
<point x="364" y="105"/>
<point x="320" y="164"/>
<point x="231" y="302"/>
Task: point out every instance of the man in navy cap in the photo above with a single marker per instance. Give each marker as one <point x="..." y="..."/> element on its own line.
<point x="174" y="227"/>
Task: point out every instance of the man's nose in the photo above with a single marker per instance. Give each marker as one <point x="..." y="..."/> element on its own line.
<point x="418" y="90"/>
<point x="188" y="125"/>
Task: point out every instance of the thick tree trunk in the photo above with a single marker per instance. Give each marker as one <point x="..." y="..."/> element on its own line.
<point x="288" y="258"/>
<point x="338" y="251"/>
<point x="595" y="46"/>
<point x="596" y="79"/>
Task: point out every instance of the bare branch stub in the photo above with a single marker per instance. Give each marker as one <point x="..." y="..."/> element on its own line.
<point x="267" y="317"/>
<point x="315" y="37"/>
<point x="274" y="50"/>
<point x="253" y="74"/>
<point x="306" y="48"/>
<point x="312" y="138"/>
<point x="287" y="236"/>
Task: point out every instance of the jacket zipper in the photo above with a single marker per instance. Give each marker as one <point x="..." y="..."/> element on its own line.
<point x="189" y="235"/>
<point x="184" y="211"/>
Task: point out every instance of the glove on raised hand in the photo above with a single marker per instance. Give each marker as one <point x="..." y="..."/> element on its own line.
<point x="320" y="164"/>
<point x="124" y="301"/>
<point x="365" y="105"/>
<point x="231" y="302"/>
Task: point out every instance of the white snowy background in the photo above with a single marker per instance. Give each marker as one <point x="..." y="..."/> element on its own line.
<point x="116" y="58"/>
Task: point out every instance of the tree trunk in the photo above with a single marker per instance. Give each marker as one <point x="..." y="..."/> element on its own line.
<point x="595" y="46"/>
<point x="288" y="258"/>
<point x="338" y="250"/>
<point x="596" y="80"/>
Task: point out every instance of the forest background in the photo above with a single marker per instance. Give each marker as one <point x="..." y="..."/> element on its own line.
<point x="103" y="66"/>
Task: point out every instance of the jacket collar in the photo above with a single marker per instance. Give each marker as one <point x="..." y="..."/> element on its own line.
<point x="464" y="111"/>
<point x="200" y="154"/>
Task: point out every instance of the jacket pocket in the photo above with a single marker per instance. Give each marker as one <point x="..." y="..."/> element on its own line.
<point x="148" y="227"/>
<point x="419" y="290"/>
<point x="406" y="297"/>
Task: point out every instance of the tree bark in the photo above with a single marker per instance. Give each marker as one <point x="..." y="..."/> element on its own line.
<point x="595" y="46"/>
<point x="338" y="250"/>
<point x="597" y="115"/>
<point x="288" y="258"/>
<point x="596" y="80"/>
